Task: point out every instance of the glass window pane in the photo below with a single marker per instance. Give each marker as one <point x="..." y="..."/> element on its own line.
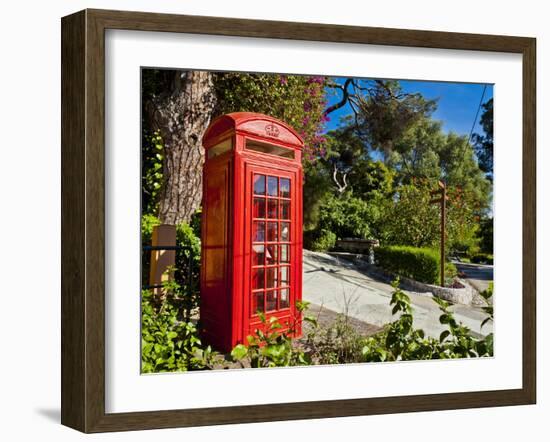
<point x="271" y="300"/>
<point x="258" y="231"/>
<point x="258" y="278"/>
<point x="272" y="231"/>
<point x="269" y="149"/>
<point x="284" y="187"/>
<point x="285" y="276"/>
<point x="272" y="208"/>
<point x="220" y="148"/>
<point x="284" y="298"/>
<point x="259" y="184"/>
<point x="285" y="209"/>
<point x="285" y="253"/>
<point x="258" y="254"/>
<point x="258" y="302"/>
<point x="271" y="254"/>
<point x="285" y="231"/>
<point x="272" y="185"/>
<point x="271" y="277"/>
<point x="259" y="208"/>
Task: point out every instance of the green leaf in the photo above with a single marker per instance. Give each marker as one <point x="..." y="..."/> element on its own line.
<point x="311" y="320"/>
<point x="239" y="352"/>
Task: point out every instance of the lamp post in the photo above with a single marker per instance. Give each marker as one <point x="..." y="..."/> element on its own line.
<point x="441" y="199"/>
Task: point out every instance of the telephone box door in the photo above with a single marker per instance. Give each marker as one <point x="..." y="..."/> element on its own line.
<point x="273" y="233"/>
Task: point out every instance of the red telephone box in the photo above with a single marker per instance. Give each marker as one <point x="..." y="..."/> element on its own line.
<point x="251" y="226"/>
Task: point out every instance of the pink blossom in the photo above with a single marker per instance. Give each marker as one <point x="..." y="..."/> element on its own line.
<point x="316" y="79"/>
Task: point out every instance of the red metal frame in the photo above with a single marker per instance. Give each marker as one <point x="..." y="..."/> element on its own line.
<point x="230" y="272"/>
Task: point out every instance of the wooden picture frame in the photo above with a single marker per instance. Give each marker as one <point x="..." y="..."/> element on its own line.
<point x="83" y="215"/>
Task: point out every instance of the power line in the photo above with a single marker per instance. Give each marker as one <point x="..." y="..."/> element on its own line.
<point x="477" y="113"/>
<point x="474" y="122"/>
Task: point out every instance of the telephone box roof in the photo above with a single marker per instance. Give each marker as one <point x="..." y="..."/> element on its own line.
<point x="252" y="123"/>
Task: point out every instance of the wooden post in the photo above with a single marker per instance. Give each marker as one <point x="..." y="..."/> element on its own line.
<point x="442" y="201"/>
<point x="163" y="235"/>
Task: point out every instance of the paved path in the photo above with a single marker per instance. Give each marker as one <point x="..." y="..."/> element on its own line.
<point x="478" y="275"/>
<point x="341" y="286"/>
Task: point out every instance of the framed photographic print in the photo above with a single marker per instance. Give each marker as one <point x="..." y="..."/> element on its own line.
<point x="266" y="221"/>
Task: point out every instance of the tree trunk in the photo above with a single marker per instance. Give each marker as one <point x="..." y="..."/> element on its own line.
<point x="182" y="114"/>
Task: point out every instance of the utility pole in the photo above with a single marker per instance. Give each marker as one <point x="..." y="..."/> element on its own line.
<point x="441" y="199"/>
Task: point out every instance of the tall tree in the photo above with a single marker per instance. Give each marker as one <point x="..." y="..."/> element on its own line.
<point x="181" y="112"/>
<point x="381" y="113"/>
<point x="380" y="110"/>
<point x="179" y="105"/>
<point x="351" y="167"/>
<point x="424" y="151"/>
<point x="484" y="143"/>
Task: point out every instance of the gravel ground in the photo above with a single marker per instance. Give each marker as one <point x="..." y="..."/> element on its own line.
<point x="326" y="317"/>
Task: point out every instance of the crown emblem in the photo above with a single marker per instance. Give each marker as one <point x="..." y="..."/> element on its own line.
<point x="272" y="130"/>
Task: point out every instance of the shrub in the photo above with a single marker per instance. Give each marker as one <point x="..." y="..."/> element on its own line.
<point x="488" y="295"/>
<point x="409" y="218"/>
<point x="465" y="248"/>
<point x="341" y="216"/>
<point x="168" y="343"/>
<point x="337" y="343"/>
<point x="420" y="264"/>
<point x="323" y="241"/>
<point x="400" y="341"/>
<point x="450" y="271"/>
<point x="147" y="224"/>
<point x="346" y="216"/>
<point x="485" y="234"/>
<point x="340" y="343"/>
<point x="482" y="258"/>
<point x="272" y="344"/>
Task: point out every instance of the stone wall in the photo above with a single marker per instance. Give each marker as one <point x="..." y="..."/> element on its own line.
<point x="463" y="295"/>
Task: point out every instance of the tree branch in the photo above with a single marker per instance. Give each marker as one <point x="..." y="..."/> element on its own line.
<point x="343" y="101"/>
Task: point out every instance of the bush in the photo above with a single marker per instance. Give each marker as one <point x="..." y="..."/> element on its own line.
<point x="420" y="264"/>
<point x="340" y="343"/>
<point x="450" y="271"/>
<point x="167" y="342"/>
<point x="482" y="258"/>
<point x="272" y="344"/>
<point x="464" y="249"/>
<point x="485" y="234"/>
<point x="188" y="259"/>
<point x="409" y="219"/>
<point x="400" y="341"/>
<point x="346" y="216"/>
<point x="337" y="343"/>
<point x="323" y="241"/>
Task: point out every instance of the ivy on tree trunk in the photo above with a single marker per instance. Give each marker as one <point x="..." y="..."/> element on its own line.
<point x="182" y="113"/>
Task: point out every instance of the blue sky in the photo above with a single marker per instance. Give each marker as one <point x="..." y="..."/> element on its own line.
<point x="456" y="108"/>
